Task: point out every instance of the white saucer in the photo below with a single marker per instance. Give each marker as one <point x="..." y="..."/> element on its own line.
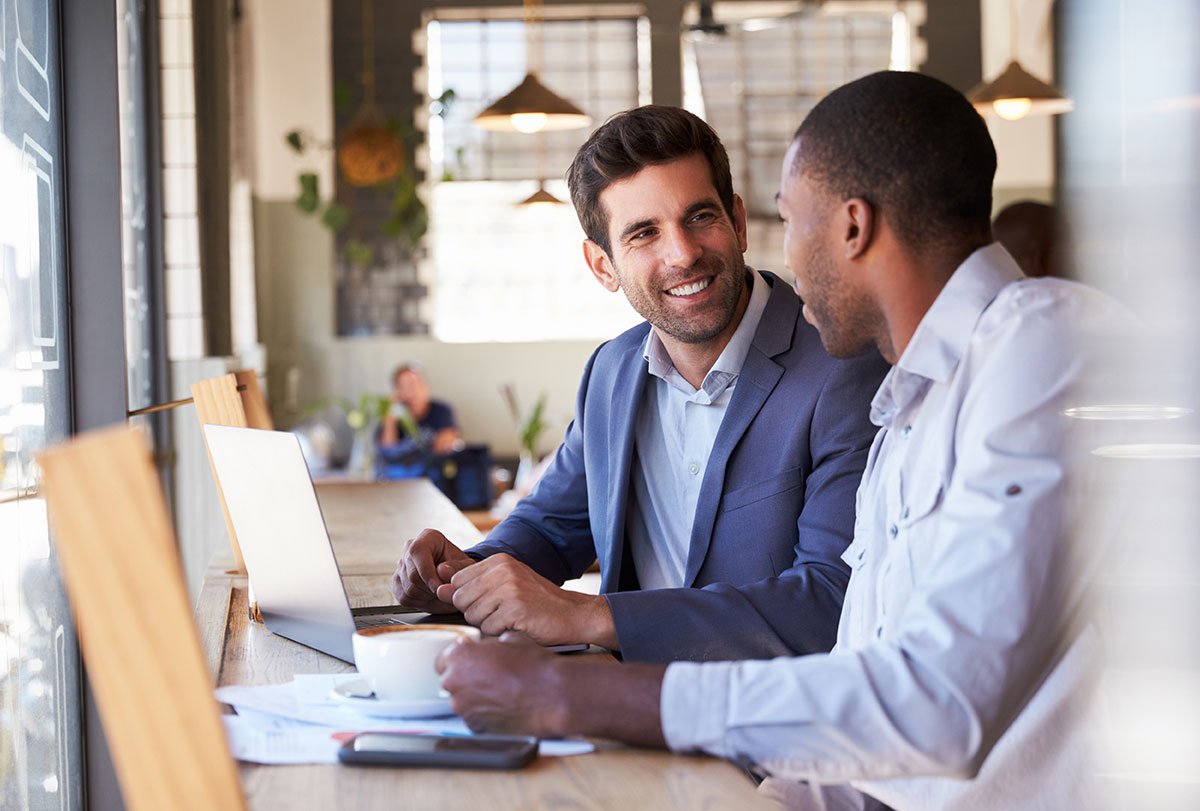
<point x="352" y="694"/>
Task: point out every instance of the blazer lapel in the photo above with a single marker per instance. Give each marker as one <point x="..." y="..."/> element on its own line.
<point x="755" y="382"/>
<point x="628" y="389"/>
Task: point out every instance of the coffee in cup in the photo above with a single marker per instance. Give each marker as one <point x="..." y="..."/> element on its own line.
<point x="397" y="660"/>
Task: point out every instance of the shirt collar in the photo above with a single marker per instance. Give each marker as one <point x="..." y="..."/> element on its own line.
<point x="729" y="364"/>
<point x="942" y="336"/>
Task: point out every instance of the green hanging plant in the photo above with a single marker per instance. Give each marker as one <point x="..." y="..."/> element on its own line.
<point x="408" y="218"/>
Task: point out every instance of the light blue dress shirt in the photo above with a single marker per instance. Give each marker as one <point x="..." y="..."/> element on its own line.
<point x="676" y="427"/>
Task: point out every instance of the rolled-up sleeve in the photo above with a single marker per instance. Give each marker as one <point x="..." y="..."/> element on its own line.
<point x="693" y="706"/>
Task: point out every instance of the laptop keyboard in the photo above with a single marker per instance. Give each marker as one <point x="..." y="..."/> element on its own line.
<point x="375" y="622"/>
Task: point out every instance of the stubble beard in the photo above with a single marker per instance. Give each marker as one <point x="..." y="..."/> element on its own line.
<point x="728" y="279"/>
<point x="844" y="324"/>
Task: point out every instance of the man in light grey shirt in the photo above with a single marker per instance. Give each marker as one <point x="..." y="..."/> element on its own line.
<point x="964" y="663"/>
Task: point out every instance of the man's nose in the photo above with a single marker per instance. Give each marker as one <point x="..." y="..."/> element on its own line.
<point x="682" y="248"/>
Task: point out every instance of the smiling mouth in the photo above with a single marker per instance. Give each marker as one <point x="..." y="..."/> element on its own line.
<point x="690" y="289"/>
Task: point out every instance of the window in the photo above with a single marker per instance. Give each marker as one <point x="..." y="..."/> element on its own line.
<point x="755" y="83"/>
<point x="502" y="272"/>
<point x="39" y="669"/>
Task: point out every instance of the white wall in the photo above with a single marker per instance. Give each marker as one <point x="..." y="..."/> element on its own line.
<point x="292" y="90"/>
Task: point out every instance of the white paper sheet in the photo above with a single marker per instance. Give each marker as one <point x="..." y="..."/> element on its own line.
<point x="297" y="722"/>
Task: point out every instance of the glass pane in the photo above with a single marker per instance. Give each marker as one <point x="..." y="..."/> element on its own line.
<point x="593" y="63"/>
<point x="40" y="736"/>
<point x="135" y="275"/>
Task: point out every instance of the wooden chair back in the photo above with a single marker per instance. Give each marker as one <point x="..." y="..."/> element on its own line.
<point x="124" y="581"/>
<point x="231" y="399"/>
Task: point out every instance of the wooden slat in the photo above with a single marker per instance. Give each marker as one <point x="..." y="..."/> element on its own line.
<point x="254" y="405"/>
<point x="139" y="640"/>
<point x="218" y="403"/>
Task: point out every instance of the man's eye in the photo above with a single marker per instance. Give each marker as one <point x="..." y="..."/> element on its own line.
<point x="703" y="216"/>
<point x="642" y="234"/>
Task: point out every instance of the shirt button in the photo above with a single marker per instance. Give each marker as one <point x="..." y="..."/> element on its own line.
<point x="893" y="531"/>
<point x="905" y="431"/>
<point x="693" y="468"/>
<point x="904" y="512"/>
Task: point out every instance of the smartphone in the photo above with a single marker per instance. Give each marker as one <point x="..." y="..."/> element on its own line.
<point x="444" y="751"/>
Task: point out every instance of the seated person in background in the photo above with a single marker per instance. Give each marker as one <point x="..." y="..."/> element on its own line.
<point x="1028" y="231"/>
<point x="965" y="658"/>
<point x="715" y="450"/>
<point x="415" y="428"/>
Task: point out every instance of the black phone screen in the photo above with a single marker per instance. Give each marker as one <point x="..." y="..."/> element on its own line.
<point x="437" y="743"/>
<point x="446" y="751"/>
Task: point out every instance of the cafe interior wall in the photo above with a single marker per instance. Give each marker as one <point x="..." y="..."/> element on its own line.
<point x="307" y="362"/>
<point x="295" y="255"/>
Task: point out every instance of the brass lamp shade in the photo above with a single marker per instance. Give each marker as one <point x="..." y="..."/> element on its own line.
<point x="540" y="197"/>
<point x="1016" y="93"/>
<point x="532" y="107"/>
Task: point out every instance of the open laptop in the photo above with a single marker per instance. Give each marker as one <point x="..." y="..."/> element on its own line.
<point x="285" y="544"/>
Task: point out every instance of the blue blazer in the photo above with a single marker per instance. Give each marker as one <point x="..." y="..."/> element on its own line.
<point x="764" y="575"/>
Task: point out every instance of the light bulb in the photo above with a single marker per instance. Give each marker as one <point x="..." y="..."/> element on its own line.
<point x="1012" y="109"/>
<point x="528" y="122"/>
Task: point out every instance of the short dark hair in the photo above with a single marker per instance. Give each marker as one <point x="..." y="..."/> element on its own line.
<point x="632" y="140"/>
<point x="910" y="145"/>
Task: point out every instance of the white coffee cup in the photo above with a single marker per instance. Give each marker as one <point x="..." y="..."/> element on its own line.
<point x="397" y="660"/>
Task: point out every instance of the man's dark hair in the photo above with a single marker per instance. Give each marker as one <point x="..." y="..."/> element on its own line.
<point x="630" y="141"/>
<point x="911" y="146"/>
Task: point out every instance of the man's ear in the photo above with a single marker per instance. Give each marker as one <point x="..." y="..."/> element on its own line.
<point x="739" y="222"/>
<point x="860" y="225"/>
<point x="599" y="262"/>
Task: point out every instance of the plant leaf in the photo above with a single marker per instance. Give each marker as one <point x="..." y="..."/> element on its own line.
<point x="336" y="217"/>
<point x="343" y="97"/>
<point x="310" y="198"/>
<point x="360" y="254"/>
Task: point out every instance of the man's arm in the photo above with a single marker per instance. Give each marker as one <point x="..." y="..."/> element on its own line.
<point x="798" y="611"/>
<point x="511" y="685"/>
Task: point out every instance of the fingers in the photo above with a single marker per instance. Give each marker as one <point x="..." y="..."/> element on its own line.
<point x="517" y="638"/>
<point x="408" y="589"/>
<point x="448" y="569"/>
<point x="425" y="553"/>
<point x="452" y="653"/>
<point x="416" y="580"/>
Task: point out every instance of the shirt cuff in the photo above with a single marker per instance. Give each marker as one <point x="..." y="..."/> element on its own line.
<point x="694" y="705"/>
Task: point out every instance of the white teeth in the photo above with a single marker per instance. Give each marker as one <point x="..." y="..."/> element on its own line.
<point x="689" y="289"/>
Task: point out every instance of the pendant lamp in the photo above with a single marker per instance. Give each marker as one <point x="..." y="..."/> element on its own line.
<point x="1016" y="93"/>
<point x="541" y="197"/>
<point x="531" y="106"/>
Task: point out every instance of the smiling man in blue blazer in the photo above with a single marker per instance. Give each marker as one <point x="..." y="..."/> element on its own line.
<point x="716" y="449"/>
